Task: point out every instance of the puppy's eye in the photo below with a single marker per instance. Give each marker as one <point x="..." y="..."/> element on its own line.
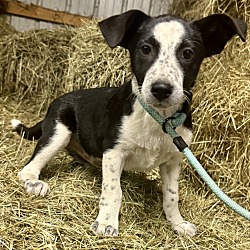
<point x="145" y="49"/>
<point x="187" y="54"/>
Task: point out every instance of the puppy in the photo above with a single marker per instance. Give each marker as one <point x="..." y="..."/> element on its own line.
<point x="109" y="127"/>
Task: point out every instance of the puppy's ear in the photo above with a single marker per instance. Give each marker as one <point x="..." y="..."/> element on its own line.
<point x="119" y="29"/>
<point x="217" y="29"/>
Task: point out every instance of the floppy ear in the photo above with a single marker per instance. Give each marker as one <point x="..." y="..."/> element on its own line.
<point x="119" y="29"/>
<point x="217" y="29"/>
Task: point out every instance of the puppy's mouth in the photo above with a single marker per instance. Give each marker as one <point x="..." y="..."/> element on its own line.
<point x="166" y="103"/>
<point x="161" y="106"/>
<point x="174" y="100"/>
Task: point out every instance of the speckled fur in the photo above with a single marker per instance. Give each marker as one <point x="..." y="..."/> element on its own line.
<point x="109" y="126"/>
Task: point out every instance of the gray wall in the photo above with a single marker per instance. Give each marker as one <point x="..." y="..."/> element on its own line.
<point x="96" y="8"/>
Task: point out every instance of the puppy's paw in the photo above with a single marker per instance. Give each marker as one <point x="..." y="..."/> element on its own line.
<point x="38" y="188"/>
<point x="104" y="229"/>
<point x="185" y="227"/>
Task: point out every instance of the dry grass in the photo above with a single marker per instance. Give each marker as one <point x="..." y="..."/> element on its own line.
<point x="39" y="65"/>
<point x="54" y="62"/>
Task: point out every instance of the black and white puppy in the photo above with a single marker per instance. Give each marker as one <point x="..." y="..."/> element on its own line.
<point x="108" y="126"/>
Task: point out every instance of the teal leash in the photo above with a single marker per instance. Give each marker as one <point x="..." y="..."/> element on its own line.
<point x="169" y="125"/>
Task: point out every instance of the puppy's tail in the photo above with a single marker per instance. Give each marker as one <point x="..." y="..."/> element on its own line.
<point x="32" y="133"/>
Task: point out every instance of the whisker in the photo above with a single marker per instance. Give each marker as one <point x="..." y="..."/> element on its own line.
<point x="186" y="98"/>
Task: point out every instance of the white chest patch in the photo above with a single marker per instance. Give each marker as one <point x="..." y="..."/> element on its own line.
<point x="166" y="67"/>
<point x="143" y="143"/>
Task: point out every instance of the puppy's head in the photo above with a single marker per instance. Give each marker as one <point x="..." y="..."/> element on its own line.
<point x="166" y="51"/>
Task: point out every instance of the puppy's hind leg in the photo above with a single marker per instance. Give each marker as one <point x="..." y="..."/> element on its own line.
<point x="51" y="141"/>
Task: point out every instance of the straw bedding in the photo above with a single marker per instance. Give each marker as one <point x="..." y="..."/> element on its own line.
<point x="37" y="66"/>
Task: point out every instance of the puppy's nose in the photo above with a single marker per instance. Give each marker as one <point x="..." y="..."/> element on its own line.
<point x="161" y="90"/>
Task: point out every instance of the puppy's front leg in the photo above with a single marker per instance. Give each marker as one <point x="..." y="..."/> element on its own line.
<point x="170" y="172"/>
<point x="106" y="222"/>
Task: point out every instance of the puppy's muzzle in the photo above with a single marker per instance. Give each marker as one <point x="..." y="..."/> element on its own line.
<point x="161" y="90"/>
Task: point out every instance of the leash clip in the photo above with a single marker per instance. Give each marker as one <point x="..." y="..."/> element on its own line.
<point x="174" y="121"/>
<point x="168" y="121"/>
<point x="169" y="126"/>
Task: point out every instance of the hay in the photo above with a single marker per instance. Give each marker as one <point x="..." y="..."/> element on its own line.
<point x="37" y="66"/>
<point x="58" y="61"/>
<point x="221" y="110"/>
<point x="5" y="28"/>
<point x="196" y="9"/>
